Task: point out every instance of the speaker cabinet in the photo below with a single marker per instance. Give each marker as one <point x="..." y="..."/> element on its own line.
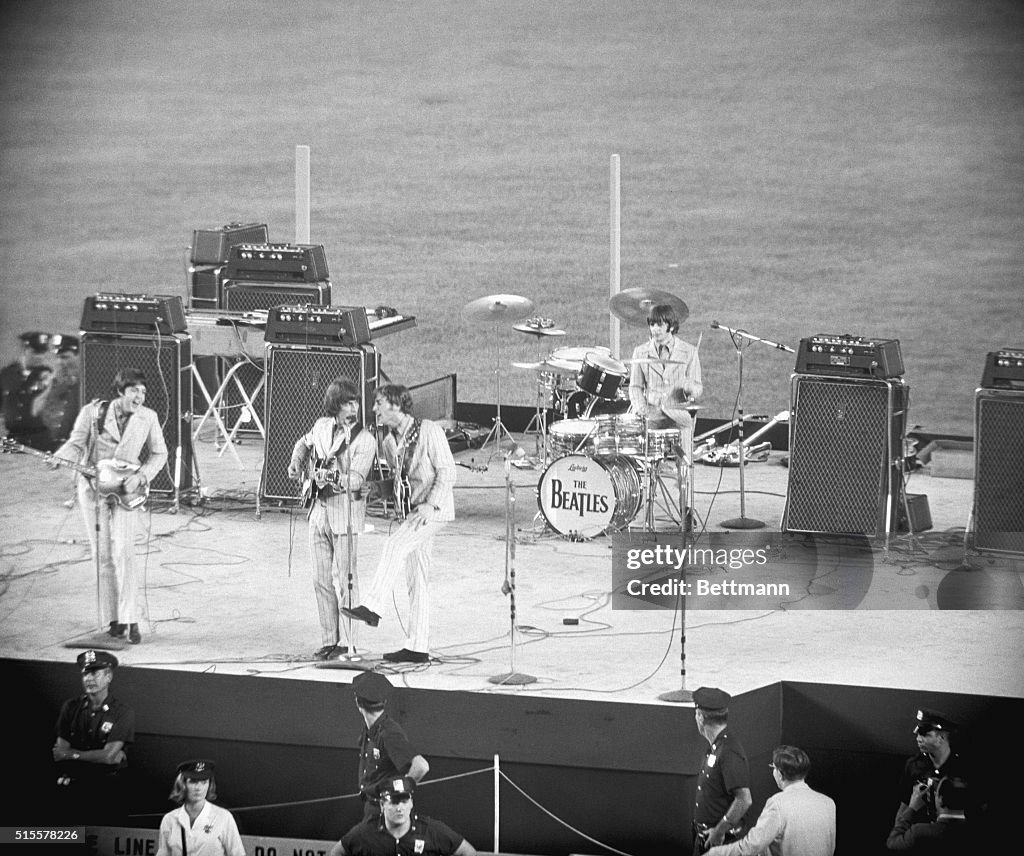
<point x="167" y="363"/>
<point x="845" y="450"/>
<point x="999" y="471"/>
<point x="241" y="295"/>
<point x="296" y="380"/>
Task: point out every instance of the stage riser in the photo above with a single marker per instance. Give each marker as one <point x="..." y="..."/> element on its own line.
<point x="288" y="741"/>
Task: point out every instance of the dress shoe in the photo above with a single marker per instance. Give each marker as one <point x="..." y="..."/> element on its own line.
<point x="407" y="656"/>
<point x="117" y="630"/>
<point x="133" y="634"/>
<point x="361" y="613"/>
<point x="331" y="652"/>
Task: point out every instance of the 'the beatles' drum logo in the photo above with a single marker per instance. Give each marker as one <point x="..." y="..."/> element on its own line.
<point x="578" y="499"/>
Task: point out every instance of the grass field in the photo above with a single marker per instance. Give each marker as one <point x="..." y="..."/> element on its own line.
<point x="789" y="168"/>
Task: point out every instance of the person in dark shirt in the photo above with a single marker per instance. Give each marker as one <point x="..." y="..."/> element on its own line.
<point x="93" y="733"/>
<point x="384" y="750"/>
<point x="398" y="831"/>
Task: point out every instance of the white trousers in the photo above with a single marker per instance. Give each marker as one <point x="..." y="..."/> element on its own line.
<point x="408" y="549"/>
<point x="329" y="552"/>
<point x="114" y="539"/>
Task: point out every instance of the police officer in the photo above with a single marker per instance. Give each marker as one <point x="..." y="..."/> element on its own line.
<point x="723" y="784"/>
<point x="93" y="731"/>
<point x="399" y="832"/>
<point x="384" y="750"/>
<point x="935" y="760"/>
<point x="21" y="384"/>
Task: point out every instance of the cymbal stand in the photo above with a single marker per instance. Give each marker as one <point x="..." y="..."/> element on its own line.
<point x="498" y="432"/>
<point x="740" y="340"/>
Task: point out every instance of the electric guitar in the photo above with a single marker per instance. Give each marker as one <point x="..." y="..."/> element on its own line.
<point x="107" y="477"/>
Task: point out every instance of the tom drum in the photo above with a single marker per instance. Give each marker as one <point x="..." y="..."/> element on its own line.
<point x="572" y="435"/>
<point x="600" y="375"/>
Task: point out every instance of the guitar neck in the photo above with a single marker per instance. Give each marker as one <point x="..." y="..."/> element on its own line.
<point x="78" y="468"/>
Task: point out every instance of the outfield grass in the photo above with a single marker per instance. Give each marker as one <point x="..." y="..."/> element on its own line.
<point x="787" y="167"/>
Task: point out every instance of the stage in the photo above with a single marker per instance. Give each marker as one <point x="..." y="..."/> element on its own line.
<point x="229" y="600"/>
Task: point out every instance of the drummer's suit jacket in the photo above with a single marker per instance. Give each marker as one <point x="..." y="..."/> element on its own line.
<point x="654" y="387"/>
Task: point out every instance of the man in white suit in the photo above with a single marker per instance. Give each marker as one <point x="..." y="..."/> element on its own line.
<point x="797" y="821"/>
<point x="111" y="436"/>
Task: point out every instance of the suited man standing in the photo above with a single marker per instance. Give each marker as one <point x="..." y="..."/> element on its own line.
<point x="797" y="821"/>
<point x="112" y="436"/>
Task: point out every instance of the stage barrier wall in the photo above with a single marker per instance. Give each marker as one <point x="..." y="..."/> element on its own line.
<point x="621" y="773"/>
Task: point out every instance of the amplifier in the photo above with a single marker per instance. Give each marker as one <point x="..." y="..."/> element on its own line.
<point x="1004" y="369"/>
<point x="210" y="246"/>
<point x="133" y="313"/>
<point x="302" y="324"/>
<point x="849" y="356"/>
<point x="278" y="262"/>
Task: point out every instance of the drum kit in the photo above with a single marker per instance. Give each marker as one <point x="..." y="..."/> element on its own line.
<point x="600" y="460"/>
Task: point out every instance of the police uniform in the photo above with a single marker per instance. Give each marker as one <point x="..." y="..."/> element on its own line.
<point x="725" y="768"/>
<point x="213" y="833"/>
<point x="425" y="837"/>
<point x="85" y="787"/>
<point x="21" y="385"/>
<point x="920" y="767"/>
<point x="384" y="749"/>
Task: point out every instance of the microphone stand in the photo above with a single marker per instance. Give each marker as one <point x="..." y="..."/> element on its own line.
<point x="683" y="695"/>
<point x="740" y="340"/>
<point x="350" y="628"/>
<point x="511" y="677"/>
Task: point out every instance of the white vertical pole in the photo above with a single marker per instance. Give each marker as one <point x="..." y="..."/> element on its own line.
<point x="302" y="194"/>
<point x="497" y="803"/>
<point x="615" y="252"/>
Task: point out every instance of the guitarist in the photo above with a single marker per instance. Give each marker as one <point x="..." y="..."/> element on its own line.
<point x="336" y="454"/>
<point x="418" y="453"/>
<point x="119" y="430"/>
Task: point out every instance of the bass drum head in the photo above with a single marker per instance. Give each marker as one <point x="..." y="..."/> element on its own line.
<point x="583" y="497"/>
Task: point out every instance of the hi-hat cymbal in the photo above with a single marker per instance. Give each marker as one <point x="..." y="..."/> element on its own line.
<point x="498" y="307"/>
<point x="633" y="304"/>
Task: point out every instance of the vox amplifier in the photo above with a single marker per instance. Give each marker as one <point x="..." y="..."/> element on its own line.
<point x="133" y="313"/>
<point x="1004" y="369"/>
<point x="210" y="246"/>
<point x="278" y="262"/>
<point x="849" y="356"/>
<point x="317" y="325"/>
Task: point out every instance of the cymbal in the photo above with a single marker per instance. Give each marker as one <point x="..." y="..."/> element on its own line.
<point x="538" y="331"/>
<point x="530" y="366"/>
<point x="632" y="305"/>
<point x="498" y="307"/>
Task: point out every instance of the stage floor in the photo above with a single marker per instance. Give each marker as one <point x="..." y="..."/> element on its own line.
<point x="229" y="590"/>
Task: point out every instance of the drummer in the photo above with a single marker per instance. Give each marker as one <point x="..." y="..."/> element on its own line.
<point x="658" y="390"/>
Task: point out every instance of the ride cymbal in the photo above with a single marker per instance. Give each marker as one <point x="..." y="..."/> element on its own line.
<point x="498" y="307"/>
<point x="632" y="305"/>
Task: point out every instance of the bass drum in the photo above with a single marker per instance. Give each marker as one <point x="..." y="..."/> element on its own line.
<point x="585" y="497"/>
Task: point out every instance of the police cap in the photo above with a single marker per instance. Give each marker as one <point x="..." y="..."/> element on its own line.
<point x="711" y="699"/>
<point x="65" y="344"/>
<point x="92" y="661"/>
<point x="400" y="787"/>
<point x="372" y="687"/>
<point x="38" y="342"/>
<point x="932" y="720"/>
<point x="198" y="770"/>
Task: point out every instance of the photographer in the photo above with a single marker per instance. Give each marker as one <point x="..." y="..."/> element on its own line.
<point x="947" y="833"/>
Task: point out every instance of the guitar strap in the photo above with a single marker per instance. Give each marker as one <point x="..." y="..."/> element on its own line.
<point x="101" y="420"/>
<point x="412" y="438"/>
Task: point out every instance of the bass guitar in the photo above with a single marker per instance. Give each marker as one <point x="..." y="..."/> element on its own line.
<point x="107" y="477"/>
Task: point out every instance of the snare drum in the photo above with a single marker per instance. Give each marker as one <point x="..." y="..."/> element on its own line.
<point x="663" y="443"/>
<point x="600" y="375"/>
<point x="572" y="435"/>
<point x="587" y="496"/>
<point x="620" y="434"/>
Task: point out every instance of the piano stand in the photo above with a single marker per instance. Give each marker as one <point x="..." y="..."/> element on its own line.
<point x="213" y="404"/>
